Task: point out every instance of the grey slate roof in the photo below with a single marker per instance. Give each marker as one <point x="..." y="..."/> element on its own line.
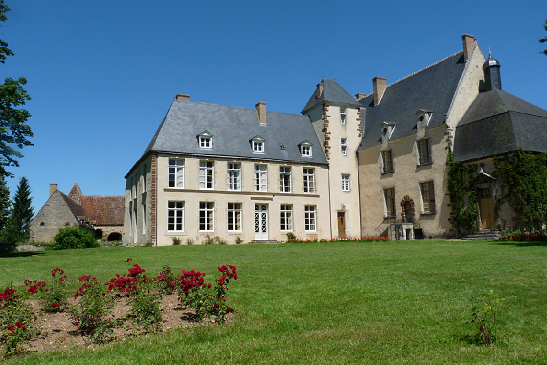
<point x="498" y="122"/>
<point x="332" y="92"/>
<point x="430" y="89"/>
<point x="232" y="129"/>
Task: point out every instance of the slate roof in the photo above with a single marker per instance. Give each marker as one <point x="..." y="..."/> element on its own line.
<point x="431" y="89"/>
<point x="498" y="122"/>
<point x="104" y="210"/>
<point x="332" y="92"/>
<point x="75" y="208"/>
<point x="232" y="129"/>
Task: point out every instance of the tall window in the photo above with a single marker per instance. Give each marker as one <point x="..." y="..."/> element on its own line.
<point x="176" y="173"/>
<point x="309" y="217"/>
<point x="234" y="176"/>
<point x="387" y="159"/>
<point x="285" y="179"/>
<point x="206" y="216"/>
<point x="389" y="195"/>
<point x="261" y="178"/>
<point x="428" y="196"/>
<point x="206" y="173"/>
<point x="346" y="182"/>
<point x="424" y="151"/>
<point x="234" y="216"/>
<point x="344" y="146"/>
<point x="205" y="142"/>
<point x="309" y="180"/>
<point x="343" y="116"/>
<point x="285" y="217"/>
<point x="175" y="216"/>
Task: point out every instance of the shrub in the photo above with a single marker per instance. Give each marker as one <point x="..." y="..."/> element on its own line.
<point x="176" y="241"/>
<point x="239" y="240"/>
<point x="483" y="313"/>
<point x="189" y="241"/>
<point x="16" y="320"/>
<point x="74" y="237"/>
<point x="291" y="236"/>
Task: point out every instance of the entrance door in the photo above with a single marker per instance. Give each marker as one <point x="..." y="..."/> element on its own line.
<point x="341" y="224"/>
<point x="487" y="208"/>
<point x="261" y="221"/>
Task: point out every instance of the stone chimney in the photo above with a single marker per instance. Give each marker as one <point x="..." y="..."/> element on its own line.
<point x="319" y="90"/>
<point x="184" y="97"/>
<point x="261" y="112"/>
<point x="52" y="188"/>
<point x="378" y="88"/>
<point x="360" y="96"/>
<point x="467" y="40"/>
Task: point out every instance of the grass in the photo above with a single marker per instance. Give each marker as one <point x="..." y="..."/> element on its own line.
<point x="329" y="303"/>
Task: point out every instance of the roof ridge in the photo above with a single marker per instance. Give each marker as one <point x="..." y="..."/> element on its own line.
<point x="233" y="106"/>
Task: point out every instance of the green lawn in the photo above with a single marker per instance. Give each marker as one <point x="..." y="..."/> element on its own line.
<point x="396" y="302"/>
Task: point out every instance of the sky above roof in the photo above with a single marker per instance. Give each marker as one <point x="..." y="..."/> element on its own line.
<point x="102" y="74"/>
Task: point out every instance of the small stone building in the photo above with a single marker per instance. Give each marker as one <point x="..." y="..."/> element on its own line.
<point x="103" y="214"/>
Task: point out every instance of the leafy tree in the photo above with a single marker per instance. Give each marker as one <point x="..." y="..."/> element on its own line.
<point x="543" y="40"/>
<point x="13" y="128"/>
<point x="21" y="211"/>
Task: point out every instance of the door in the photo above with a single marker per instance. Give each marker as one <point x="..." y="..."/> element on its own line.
<point x="341" y="224"/>
<point x="487" y="208"/>
<point x="261" y="221"/>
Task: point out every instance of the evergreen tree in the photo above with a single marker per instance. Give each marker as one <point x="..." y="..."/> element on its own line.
<point x="543" y="40"/>
<point x="21" y="211"/>
<point x="4" y="201"/>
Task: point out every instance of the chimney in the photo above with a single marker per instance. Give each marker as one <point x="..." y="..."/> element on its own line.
<point x="467" y="40"/>
<point x="319" y="90"/>
<point x="52" y="188"/>
<point x="360" y="96"/>
<point x="261" y="112"/>
<point x="378" y="88"/>
<point x="184" y="97"/>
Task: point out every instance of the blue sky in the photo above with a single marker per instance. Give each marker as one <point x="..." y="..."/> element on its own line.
<point x="102" y="74"/>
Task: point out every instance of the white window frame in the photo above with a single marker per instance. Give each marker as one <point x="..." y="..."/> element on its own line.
<point x="260" y="177"/>
<point x="258" y="146"/>
<point x="285" y="217"/>
<point x="344" y="146"/>
<point x="308" y="179"/>
<point x="206" y="216"/>
<point x="306" y="151"/>
<point x="234" y="217"/>
<point x="343" y="115"/>
<point x="205" y="142"/>
<point x="346" y="182"/>
<point x="206" y="175"/>
<point x="285" y="177"/>
<point x="175" y="173"/>
<point x="234" y="176"/>
<point x="175" y="215"/>
<point x="310" y="218"/>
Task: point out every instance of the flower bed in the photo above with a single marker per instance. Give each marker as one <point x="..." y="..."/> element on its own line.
<point x="360" y="239"/>
<point x="523" y="236"/>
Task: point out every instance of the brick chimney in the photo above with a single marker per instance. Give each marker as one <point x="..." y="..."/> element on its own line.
<point x="52" y="188"/>
<point x="184" y="97"/>
<point x="467" y="40"/>
<point x="261" y="112"/>
<point x="319" y="90"/>
<point x="378" y="88"/>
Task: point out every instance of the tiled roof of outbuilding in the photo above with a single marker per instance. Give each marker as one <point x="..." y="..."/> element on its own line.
<point x="232" y="129"/>
<point x="498" y="122"/>
<point x="431" y="89"/>
<point x="104" y="210"/>
<point x="332" y="92"/>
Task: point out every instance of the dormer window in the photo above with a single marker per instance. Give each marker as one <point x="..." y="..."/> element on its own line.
<point x="205" y="140"/>
<point x="305" y="149"/>
<point x="424" y="116"/>
<point x="343" y="116"/>
<point x="258" y="144"/>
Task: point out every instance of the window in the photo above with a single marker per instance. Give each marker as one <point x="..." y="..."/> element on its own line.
<point x="285" y="217"/>
<point x="428" y="196"/>
<point x="343" y="116"/>
<point x="306" y="151"/>
<point x="389" y="195"/>
<point x="234" y="216"/>
<point x="206" y="173"/>
<point x="309" y="180"/>
<point x="424" y="151"/>
<point x="175" y="216"/>
<point x="387" y="159"/>
<point x="234" y="176"/>
<point x="346" y="182"/>
<point x="309" y="217"/>
<point x="285" y="179"/>
<point x="176" y="173"/>
<point x="205" y="142"/>
<point x="206" y="216"/>
<point x="261" y="178"/>
<point x="258" y="146"/>
<point x="144" y="178"/>
<point x="344" y="146"/>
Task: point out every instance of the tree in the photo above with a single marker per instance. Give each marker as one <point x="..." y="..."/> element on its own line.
<point x="543" y="40"/>
<point x="21" y="211"/>
<point x="4" y="202"/>
<point x="13" y="128"/>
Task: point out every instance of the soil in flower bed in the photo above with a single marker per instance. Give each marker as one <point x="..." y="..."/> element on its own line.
<point x="57" y="333"/>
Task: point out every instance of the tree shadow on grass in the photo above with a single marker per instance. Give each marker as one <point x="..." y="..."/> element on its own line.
<point x="21" y="254"/>
<point x="521" y="243"/>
